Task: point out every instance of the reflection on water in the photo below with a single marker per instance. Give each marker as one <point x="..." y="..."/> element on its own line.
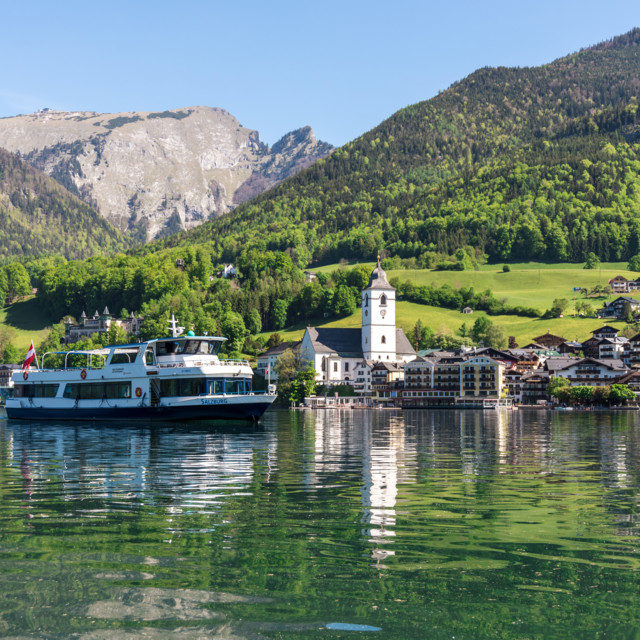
<point x="422" y="524"/>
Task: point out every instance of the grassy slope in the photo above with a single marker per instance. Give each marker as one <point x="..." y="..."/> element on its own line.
<point x="25" y="322"/>
<point x="530" y="284"/>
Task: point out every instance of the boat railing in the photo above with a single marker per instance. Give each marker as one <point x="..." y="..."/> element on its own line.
<point x="101" y="356"/>
<point x="200" y="363"/>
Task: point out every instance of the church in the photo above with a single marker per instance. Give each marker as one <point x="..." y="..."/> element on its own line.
<point x="346" y="356"/>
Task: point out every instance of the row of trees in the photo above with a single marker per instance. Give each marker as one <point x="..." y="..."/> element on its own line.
<point x="609" y="395"/>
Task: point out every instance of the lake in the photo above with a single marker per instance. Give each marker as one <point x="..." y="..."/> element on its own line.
<point x="335" y="524"/>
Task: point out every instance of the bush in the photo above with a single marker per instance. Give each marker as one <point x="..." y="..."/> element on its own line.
<point x="506" y="268"/>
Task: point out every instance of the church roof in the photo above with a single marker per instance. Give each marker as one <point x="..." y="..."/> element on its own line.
<point x="344" y="342"/>
<point x="347" y="343"/>
<point x="403" y="346"/>
<point x="378" y="279"/>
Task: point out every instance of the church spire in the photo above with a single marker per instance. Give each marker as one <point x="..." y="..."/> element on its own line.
<point x="378" y="278"/>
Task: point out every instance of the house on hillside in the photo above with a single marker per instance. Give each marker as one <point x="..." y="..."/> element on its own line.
<point x="619" y="284"/>
<point x="618" y="308"/>
<point x="549" y="340"/>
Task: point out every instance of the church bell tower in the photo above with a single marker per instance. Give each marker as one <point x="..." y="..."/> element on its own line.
<point x="379" y="318"/>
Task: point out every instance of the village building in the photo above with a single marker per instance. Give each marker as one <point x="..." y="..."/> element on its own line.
<point x="534" y="387"/>
<point x="449" y="379"/>
<point x="338" y="354"/>
<point x="619" y="284"/>
<point x="631" y="355"/>
<point x="618" y="308"/>
<point x="549" y="341"/>
<point x="609" y="348"/>
<point x="586" y="371"/>
<point x="605" y="343"/>
<point x="570" y="346"/>
<point x="266" y="362"/>
<point x="387" y="380"/>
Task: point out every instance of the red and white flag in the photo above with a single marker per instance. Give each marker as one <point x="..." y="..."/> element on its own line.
<point x="31" y="356"/>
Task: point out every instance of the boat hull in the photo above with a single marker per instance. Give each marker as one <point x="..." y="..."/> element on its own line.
<point x="179" y="412"/>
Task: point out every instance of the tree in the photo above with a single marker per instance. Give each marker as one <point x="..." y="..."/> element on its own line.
<point x="344" y="301"/>
<point x="621" y="394"/>
<point x="274" y="340"/>
<point x="593" y="262"/>
<point x="254" y="322"/>
<point x="479" y="329"/>
<point x="506" y="268"/>
<point x="234" y="330"/>
<point x="634" y="263"/>
<point x="559" y="388"/>
<point x="558" y="307"/>
<point x="495" y="337"/>
<point x="279" y="311"/>
<point x="582" y="394"/>
<point x="287" y="367"/>
<point x="18" y="281"/>
<point x="116" y="335"/>
<point x="302" y="385"/>
<point x="11" y="355"/>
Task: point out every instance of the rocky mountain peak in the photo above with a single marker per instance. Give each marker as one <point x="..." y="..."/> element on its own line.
<point x="154" y="173"/>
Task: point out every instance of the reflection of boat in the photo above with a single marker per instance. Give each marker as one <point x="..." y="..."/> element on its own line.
<point x="498" y="403"/>
<point x="175" y="378"/>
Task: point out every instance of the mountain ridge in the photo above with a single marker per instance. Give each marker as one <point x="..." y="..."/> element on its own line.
<point x="153" y="173"/>
<point x="417" y="165"/>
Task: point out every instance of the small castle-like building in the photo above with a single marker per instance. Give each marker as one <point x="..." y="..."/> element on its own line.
<point x="98" y="323"/>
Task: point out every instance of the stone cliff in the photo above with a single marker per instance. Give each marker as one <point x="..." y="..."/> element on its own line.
<point x="151" y="174"/>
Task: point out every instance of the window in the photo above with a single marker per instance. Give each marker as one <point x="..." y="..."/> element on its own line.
<point x="366" y="300"/>
<point x="36" y="390"/>
<point x="383" y="300"/>
<point x="335" y="366"/>
<point x="201" y="386"/>
<point x="384" y="340"/>
<point x="346" y="366"/>
<point x="97" y="390"/>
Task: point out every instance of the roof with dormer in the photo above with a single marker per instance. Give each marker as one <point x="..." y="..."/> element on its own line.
<point x="378" y="279"/>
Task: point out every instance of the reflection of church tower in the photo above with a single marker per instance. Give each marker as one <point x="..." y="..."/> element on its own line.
<point x="379" y="318"/>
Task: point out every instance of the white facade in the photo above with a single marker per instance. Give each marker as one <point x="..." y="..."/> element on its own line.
<point x="379" y="324"/>
<point x="345" y="356"/>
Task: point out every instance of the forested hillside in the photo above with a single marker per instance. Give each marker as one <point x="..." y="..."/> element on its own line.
<point x="39" y="217"/>
<point x="534" y="163"/>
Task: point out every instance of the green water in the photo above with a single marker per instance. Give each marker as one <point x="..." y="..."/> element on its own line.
<point x="362" y="524"/>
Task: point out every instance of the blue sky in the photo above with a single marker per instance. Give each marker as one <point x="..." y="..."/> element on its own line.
<point x="340" y="66"/>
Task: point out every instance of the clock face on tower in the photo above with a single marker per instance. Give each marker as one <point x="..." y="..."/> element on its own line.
<point x="383" y="313"/>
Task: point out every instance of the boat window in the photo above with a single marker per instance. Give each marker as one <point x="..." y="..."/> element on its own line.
<point x="149" y="357"/>
<point x="124" y="356"/>
<point x="35" y="390"/>
<point x="216" y="386"/>
<point x="201" y="386"/>
<point x="192" y="346"/>
<point x="187" y="347"/>
<point x="183" y="387"/>
<point x="98" y="390"/>
<point x="235" y="385"/>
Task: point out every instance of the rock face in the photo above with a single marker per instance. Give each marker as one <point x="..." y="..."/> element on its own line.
<point x="152" y="174"/>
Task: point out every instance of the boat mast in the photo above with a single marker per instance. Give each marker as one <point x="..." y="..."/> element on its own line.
<point x="173" y="325"/>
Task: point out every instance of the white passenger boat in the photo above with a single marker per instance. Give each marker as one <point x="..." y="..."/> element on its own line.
<point x="174" y="378"/>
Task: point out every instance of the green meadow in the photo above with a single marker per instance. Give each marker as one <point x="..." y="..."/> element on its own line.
<point x="531" y="284"/>
<point x="24" y="321"/>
